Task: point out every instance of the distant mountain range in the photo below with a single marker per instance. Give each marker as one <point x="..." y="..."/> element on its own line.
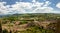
<point x="25" y="14"/>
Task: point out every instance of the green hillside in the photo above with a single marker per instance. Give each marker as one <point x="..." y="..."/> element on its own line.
<point x="29" y="23"/>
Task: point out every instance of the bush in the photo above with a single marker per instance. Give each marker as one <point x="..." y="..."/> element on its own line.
<point x="5" y="31"/>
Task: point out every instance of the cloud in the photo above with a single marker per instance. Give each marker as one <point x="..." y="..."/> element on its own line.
<point x="35" y="7"/>
<point x="58" y="5"/>
<point x="47" y="3"/>
<point x="3" y="9"/>
<point x="26" y="7"/>
<point x="33" y="0"/>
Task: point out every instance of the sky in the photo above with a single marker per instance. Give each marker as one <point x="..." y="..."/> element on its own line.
<point x="29" y="6"/>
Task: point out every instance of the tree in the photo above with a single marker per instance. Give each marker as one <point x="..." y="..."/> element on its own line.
<point x="0" y="27"/>
<point x="5" y="31"/>
<point x="58" y="26"/>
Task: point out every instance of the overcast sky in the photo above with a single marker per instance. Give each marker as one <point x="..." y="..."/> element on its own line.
<point x="29" y="6"/>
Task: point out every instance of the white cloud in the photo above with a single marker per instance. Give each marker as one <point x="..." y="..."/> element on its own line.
<point x="26" y="7"/>
<point x="3" y="9"/>
<point x="58" y="5"/>
<point x="47" y="3"/>
<point x="33" y="0"/>
<point x="36" y="7"/>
